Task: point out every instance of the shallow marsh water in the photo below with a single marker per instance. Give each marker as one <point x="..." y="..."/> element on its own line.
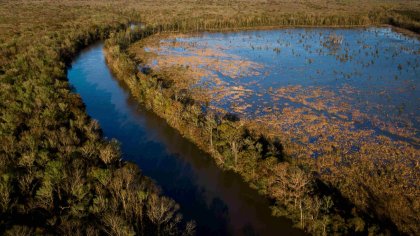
<point x="326" y="89"/>
<point x="219" y="201"/>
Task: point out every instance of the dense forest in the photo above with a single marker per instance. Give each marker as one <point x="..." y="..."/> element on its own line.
<point x="59" y="176"/>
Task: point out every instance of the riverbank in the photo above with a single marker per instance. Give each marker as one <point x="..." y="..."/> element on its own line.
<point x="338" y="165"/>
<point x="219" y="202"/>
<point x="259" y="159"/>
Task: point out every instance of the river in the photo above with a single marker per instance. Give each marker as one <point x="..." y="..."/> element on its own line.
<point x="219" y="201"/>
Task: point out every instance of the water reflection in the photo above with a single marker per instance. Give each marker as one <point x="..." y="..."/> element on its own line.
<point x="326" y="91"/>
<point x="220" y="202"/>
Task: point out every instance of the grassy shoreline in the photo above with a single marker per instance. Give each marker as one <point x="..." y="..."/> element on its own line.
<point x="343" y="218"/>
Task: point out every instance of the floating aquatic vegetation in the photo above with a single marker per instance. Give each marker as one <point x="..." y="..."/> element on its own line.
<point x="343" y="90"/>
<point x="343" y="101"/>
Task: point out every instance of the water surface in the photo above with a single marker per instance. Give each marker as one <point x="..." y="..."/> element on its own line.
<point x="328" y="90"/>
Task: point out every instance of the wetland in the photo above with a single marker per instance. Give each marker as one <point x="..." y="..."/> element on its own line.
<point x="342" y="101"/>
<point x="319" y="125"/>
<point x="324" y="89"/>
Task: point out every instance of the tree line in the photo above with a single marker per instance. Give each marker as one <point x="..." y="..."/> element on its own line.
<point x="298" y="193"/>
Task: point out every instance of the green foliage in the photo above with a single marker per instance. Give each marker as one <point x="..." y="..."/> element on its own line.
<point x="5" y="193"/>
<point x="57" y="175"/>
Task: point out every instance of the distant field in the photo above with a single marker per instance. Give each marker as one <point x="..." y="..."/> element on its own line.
<point x="247" y="13"/>
<point x="23" y="22"/>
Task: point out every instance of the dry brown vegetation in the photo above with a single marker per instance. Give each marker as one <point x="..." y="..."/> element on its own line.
<point x="201" y="14"/>
<point x="336" y="163"/>
<point x="245" y="148"/>
<point x="378" y="157"/>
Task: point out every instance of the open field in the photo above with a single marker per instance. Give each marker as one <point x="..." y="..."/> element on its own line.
<point x="56" y="167"/>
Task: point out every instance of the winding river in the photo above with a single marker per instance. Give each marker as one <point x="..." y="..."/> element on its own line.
<point x="219" y="201"/>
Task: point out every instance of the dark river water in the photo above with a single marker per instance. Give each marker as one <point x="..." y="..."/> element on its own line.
<point x="220" y="202"/>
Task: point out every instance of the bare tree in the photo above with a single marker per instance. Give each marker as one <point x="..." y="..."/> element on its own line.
<point x="161" y="210"/>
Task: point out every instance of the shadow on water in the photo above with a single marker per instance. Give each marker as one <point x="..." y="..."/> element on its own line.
<point x="219" y="201"/>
